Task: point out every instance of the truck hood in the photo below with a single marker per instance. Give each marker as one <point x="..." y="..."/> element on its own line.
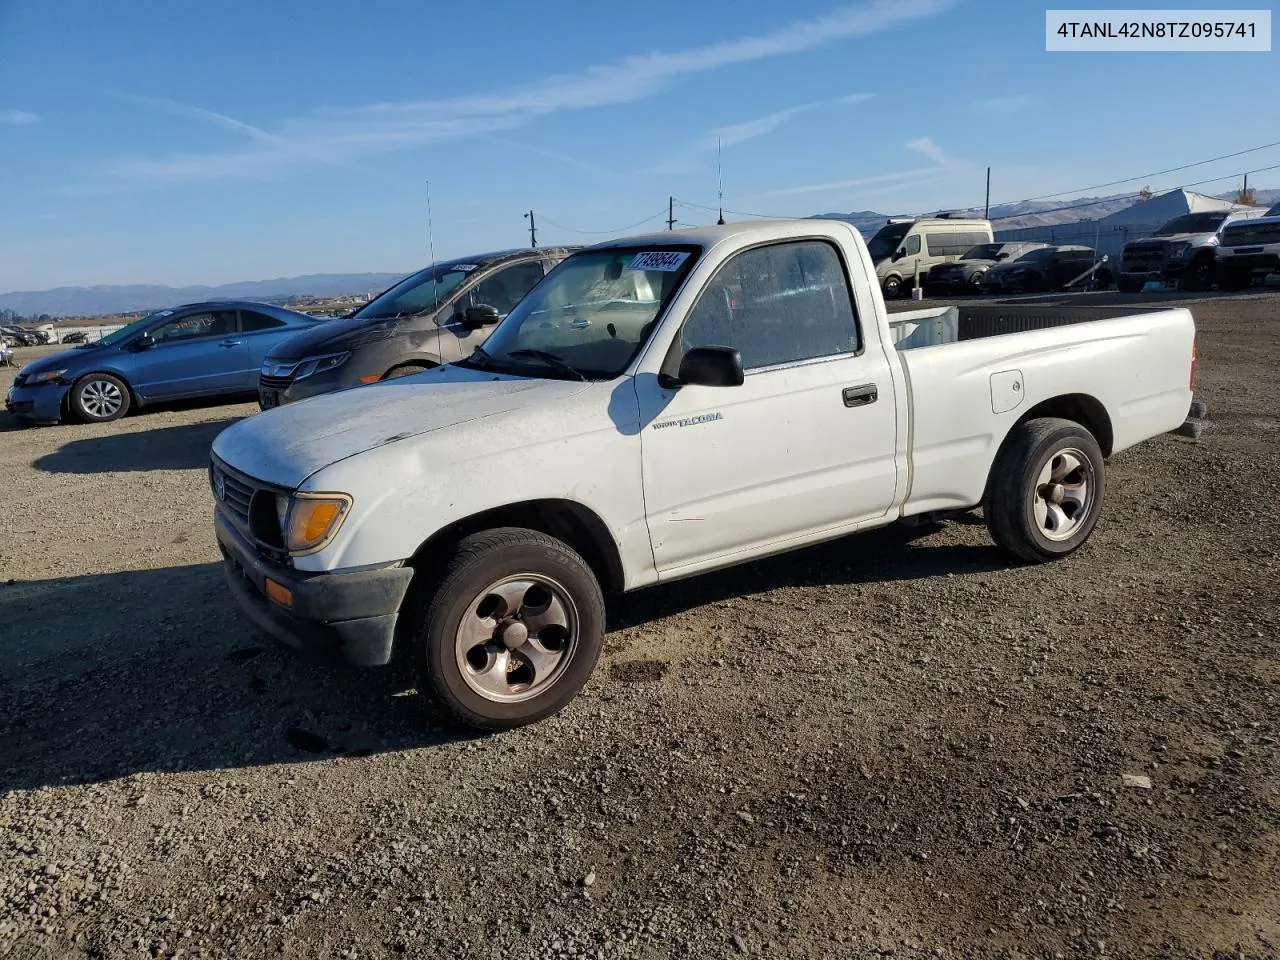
<point x="286" y="445"/>
<point x="1196" y="239"/>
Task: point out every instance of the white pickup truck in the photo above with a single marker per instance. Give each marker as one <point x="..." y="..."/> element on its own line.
<point x="657" y="407"/>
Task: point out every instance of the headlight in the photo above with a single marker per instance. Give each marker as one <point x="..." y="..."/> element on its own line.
<point x="44" y="376"/>
<point x="313" y="365"/>
<point x="1179" y="251"/>
<point x="311" y="520"/>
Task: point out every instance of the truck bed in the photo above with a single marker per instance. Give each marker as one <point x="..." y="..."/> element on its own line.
<point x="939" y="325"/>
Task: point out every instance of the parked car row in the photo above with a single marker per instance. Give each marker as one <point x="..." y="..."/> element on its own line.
<point x="24" y="336"/>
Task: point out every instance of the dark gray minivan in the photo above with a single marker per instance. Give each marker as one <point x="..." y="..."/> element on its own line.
<point x="435" y="316"/>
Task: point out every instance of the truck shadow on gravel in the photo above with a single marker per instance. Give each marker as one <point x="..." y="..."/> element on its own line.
<point x="182" y="447"/>
<point x="154" y="670"/>
<point x="889" y="553"/>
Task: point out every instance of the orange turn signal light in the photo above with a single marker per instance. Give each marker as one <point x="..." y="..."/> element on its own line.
<point x="373" y="379"/>
<point x="279" y="593"/>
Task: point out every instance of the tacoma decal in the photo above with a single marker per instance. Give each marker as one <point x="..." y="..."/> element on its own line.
<point x="689" y="421"/>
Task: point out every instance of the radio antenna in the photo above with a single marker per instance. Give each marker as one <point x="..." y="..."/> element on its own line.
<point x="719" y="183"/>
<point x="431" y="249"/>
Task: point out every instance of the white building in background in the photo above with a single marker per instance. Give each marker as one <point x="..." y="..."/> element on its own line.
<point x="1109" y="234"/>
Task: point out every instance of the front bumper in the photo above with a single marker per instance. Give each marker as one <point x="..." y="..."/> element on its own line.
<point x="347" y="617"/>
<point x="276" y="392"/>
<point x="42" y="403"/>
<point x="1265" y="259"/>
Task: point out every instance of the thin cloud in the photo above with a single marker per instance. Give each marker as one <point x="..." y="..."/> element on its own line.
<point x="928" y="148"/>
<point x="17" y="118"/>
<point x="567" y="159"/>
<point x="831" y="186"/>
<point x="1002" y="104"/>
<point x="345" y="133"/>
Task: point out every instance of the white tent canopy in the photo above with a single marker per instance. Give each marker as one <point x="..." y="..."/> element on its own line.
<point x="1166" y="206"/>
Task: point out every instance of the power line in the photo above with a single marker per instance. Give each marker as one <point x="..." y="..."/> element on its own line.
<point x="1158" y="173"/>
<point x="1130" y="196"/>
<point x="630" y="226"/>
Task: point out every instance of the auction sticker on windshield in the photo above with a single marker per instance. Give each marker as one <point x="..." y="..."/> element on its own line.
<point x="665" y="261"/>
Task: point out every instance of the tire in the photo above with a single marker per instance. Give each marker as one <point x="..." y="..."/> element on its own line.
<point x="1022" y="514"/>
<point x="474" y="647"/>
<point x="405" y="370"/>
<point x="1234" y="279"/>
<point x="99" y="398"/>
<point x="1125" y="285"/>
<point x="892" y="287"/>
<point x="1198" y="276"/>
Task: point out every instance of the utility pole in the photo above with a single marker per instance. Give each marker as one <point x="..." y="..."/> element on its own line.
<point x="986" y="208"/>
<point x="671" y="213"/>
<point x="533" y="230"/>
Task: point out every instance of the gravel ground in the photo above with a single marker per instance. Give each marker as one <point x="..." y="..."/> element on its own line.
<point x="894" y="745"/>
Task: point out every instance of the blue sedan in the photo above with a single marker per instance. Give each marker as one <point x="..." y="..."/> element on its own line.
<point x="197" y="350"/>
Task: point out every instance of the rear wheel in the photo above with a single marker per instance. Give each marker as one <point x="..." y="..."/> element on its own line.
<point x="99" y="398"/>
<point x="513" y="631"/>
<point x="1046" y="490"/>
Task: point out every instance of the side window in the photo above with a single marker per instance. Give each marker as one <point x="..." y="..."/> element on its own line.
<point x="250" y="322"/>
<point x="777" y="304"/>
<point x="218" y="323"/>
<point x="507" y="287"/>
<point x="912" y="246"/>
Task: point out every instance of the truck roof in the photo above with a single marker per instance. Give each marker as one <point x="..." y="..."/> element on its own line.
<point x="708" y="237"/>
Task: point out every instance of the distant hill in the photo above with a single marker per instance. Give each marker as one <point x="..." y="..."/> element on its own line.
<point x="94" y="301"/>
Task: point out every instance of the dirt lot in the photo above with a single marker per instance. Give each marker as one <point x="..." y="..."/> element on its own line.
<point x="894" y="745"/>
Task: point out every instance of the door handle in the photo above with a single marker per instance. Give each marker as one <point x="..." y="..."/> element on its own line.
<point x="860" y="396"/>
<point x="228" y="344"/>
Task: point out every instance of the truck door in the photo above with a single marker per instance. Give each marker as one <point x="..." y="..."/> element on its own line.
<point x="805" y="444"/>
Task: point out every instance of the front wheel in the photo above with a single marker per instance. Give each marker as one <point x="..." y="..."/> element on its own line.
<point x="1045" y="491"/>
<point x="1126" y="285"/>
<point x="513" y="630"/>
<point x="1198" y="276"/>
<point x="1234" y="279"/>
<point x="99" y="398"/>
<point x="892" y="287"/>
<point x="405" y="370"/>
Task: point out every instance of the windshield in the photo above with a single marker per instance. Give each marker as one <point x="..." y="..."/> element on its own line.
<point x="984" y="251"/>
<point x="423" y="291"/>
<point x="1192" y="223"/>
<point x="1274" y="211"/>
<point x="886" y="240"/>
<point x="590" y="316"/>
<point x="124" y="333"/>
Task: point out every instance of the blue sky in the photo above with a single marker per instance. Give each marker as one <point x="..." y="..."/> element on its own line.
<point x="162" y="142"/>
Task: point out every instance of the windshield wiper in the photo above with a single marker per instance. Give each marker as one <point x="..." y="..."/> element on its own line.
<point x="550" y="359"/>
<point x="483" y="358"/>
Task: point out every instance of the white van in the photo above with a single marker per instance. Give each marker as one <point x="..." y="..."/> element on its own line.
<point x="904" y="245"/>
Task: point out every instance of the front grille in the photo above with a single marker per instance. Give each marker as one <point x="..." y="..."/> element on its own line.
<point x="1144" y="253"/>
<point x="1250" y="234"/>
<point x="233" y="493"/>
<point x="274" y="383"/>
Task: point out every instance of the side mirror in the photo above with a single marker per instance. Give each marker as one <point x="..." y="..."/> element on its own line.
<point x="711" y="367"/>
<point x="481" y="315"/>
<point x="144" y="342"/>
<point x="899" y="254"/>
<point x="1002" y="256"/>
